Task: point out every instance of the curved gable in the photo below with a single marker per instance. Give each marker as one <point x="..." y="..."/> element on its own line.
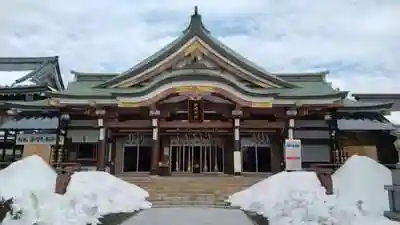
<point x="194" y="36"/>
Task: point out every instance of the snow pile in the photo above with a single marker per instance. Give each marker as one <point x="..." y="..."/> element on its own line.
<point x="112" y="195"/>
<point x="51" y="209"/>
<point x="362" y="178"/>
<point x="298" y="197"/>
<point x="90" y="195"/>
<point x="278" y="189"/>
<point x="26" y="176"/>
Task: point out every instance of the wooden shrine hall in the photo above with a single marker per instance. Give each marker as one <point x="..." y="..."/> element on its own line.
<point x="189" y="108"/>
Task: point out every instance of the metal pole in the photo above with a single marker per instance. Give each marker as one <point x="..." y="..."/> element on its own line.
<point x="201" y="158"/>
<point x="205" y="168"/>
<point x="192" y="158"/>
<point x="210" y="159"/>
<point x="216" y="158"/>
<point x="256" y="151"/>
<point x="184" y="155"/>
<point x="170" y="156"/>
<point x="223" y="158"/>
<point x="137" y="157"/>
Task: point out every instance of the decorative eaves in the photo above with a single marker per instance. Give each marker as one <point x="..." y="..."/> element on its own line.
<point x="46" y="70"/>
<point x="196" y="28"/>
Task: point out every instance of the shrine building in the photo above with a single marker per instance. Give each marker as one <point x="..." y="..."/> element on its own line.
<point x="195" y="106"/>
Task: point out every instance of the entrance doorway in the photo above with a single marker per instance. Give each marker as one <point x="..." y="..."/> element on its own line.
<point x="196" y="154"/>
<point x="256" y="154"/>
<point x="137" y="154"/>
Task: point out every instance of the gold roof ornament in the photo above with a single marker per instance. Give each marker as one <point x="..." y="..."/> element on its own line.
<point x="54" y="102"/>
<point x="92" y="103"/>
<point x="195" y="47"/>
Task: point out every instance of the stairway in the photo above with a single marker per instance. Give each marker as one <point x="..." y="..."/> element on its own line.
<point x="194" y="190"/>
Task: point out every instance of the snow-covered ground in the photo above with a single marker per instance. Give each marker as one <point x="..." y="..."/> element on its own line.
<point x="286" y="198"/>
<point x="298" y="198"/>
<point x="31" y="182"/>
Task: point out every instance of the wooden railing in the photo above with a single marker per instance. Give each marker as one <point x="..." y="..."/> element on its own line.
<point x="61" y="167"/>
<point x="324" y="173"/>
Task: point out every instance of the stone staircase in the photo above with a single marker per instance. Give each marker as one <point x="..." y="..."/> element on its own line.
<point x="194" y="190"/>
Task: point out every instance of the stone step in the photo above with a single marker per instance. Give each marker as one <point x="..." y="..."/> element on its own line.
<point x="187" y="197"/>
<point x="183" y="179"/>
<point x="189" y="203"/>
<point x="191" y="190"/>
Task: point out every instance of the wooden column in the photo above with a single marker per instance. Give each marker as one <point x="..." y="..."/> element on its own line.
<point x="155" y="154"/>
<point x="332" y="148"/>
<point x="237" y="154"/>
<point x="291" y="115"/>
<point x="102" y="143"/>
<point x="3" y="158"/>
<point x="56" y="149"/>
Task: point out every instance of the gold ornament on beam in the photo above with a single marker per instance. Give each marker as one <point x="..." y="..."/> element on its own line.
<point x="54" y="102"/>
<point x="195" y="47"/>
<point x="92" y="103"/>
<point x="262" y="105"/>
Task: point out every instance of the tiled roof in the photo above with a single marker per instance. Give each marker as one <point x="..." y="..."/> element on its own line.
<point x="31" y="123"/>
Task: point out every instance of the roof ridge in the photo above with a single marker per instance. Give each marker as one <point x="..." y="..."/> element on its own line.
<point x="318" y="73"/>
<point x="196" y="28"/>
<point x="42" y="69"/>
<point x="27" y="59"/>
<point x="74" y="72"/>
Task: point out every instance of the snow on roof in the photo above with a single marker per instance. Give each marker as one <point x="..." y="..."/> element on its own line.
<point x="394" y="117"/>
<point x="7" y="78"/>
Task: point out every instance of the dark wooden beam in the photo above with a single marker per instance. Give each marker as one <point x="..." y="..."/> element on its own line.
<point x="187" y="125"/>
<point x="129" y="124"/>
<point x="262" y="124"/>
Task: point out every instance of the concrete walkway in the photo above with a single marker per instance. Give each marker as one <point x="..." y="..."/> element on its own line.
<point x="189" y="215"/>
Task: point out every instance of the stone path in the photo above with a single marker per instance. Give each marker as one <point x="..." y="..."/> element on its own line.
<point x="189" y="216"/>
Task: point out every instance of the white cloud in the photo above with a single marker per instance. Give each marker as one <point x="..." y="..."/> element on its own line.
<point x="355" y="39"/>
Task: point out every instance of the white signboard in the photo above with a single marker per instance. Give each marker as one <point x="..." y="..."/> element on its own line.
<point x="44" y="139"/>
<point x="237" y="161"/>
<point x="293" y="154"/>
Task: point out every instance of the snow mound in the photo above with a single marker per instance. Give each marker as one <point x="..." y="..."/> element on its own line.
<point x="90" y="195"/>
<point x="51" y="209"/>
<point x="108" y="193"/>
<point x="32" y="174"/>
<point x="363" y="179"/>
<point x="268" y="194"/>
<point x="297" y="198"/>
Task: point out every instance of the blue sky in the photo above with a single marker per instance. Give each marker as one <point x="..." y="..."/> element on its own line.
<point x="357" y="40"/>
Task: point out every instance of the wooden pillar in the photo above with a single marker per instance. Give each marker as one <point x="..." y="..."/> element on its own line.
<point x="276" y="153"/>
<point x="155" y="153"/>
<point x="3" y="158"/>
<point x="332" y="147"/>
<point x="66" y="146"/>
<point x="291" y="115"/>
<point x="56" y="149"/>
<point x="237" y="154"/>
<point x="102" y="142"/>
<point x="113" y="154"/>
<point x="340" y="155"/>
